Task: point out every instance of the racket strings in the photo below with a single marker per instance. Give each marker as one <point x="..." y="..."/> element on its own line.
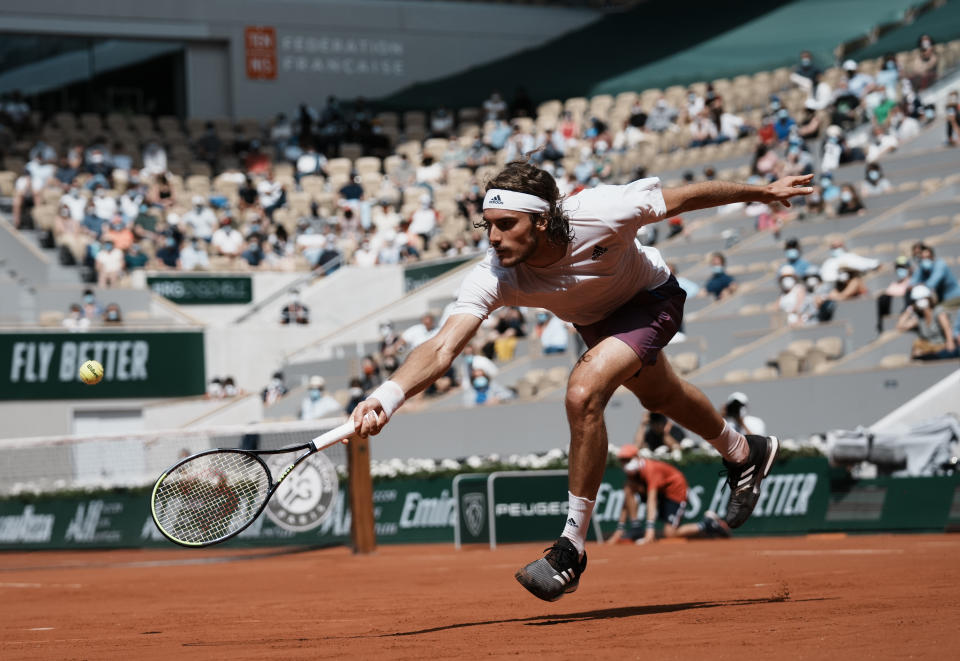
<point x="210" y="496"/>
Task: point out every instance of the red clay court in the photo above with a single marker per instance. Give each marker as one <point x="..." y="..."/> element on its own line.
<point x="877" y="596"/>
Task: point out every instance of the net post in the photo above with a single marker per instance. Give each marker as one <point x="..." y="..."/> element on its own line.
<point x="361" y="496"/>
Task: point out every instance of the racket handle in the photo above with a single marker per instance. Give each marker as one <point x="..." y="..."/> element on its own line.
<point x="333" y="436"/>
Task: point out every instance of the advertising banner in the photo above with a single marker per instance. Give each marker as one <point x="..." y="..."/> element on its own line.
<point x="136" y="364"/>
<point x="203" y="289"/>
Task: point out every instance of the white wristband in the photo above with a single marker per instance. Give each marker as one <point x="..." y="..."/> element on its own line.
<point x="390" y="395"/>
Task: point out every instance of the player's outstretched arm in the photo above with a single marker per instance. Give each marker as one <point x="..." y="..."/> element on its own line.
<point x="717" y="193"/>
<point x="423" y="366"/>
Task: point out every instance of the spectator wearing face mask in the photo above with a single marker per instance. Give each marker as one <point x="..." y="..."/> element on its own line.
<point x="119" y="233"/>
<point x="201" y="219"/>
<point x="483" y="390"/>
<point x="275" y="390"/>
<point x="889" y="76"/>
<point x="253" y="254"/>
<point x="935" y="340"/>
<point x="105" y="207"/>
<point x="883" y="142"/>
<point x="168" y="254"/>
<point x="721" y="284"/>
<point x="793" y="295"/>
<point x="355" y="394"/>
<point x="227" y="241"/>
<point x="75" y="321"/>
<point x="807" y="68"/>
<point x="659" y="431"/>
<point x="850" y="202"/>
<point x="924" y="68"/>
<point x="784" y="124"/>
<point x="193" y="256"/>
<point x="553" y="333"/>
<point x="934" y="274"/>
<point x="109" y="265"/>
<point x="370" y="376"/>
<point x="112" y="315"/>
<point x="295" y="312"/>
<point x="424" y="221"/>
<point x="317" y="404"/>
<point x="899" y="288"/>
<point x="953" y="119"/>
<point x="874" y="183"/>
<point x="793" y="254"/>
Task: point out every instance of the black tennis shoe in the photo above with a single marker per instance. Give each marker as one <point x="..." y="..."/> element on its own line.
<point x="555" y="574"/>
<point x="714" y="526"/>
<point x="744" y="479"/>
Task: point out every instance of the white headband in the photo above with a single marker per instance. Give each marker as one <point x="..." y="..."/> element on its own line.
<point x="497" y="198"/>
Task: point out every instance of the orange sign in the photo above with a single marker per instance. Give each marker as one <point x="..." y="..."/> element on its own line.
<point x="261" y="49"/>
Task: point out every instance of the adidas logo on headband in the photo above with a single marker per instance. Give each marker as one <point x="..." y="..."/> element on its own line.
<point x="495" y="200"/>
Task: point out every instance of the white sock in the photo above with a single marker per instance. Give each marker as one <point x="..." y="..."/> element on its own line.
<point x="731" y="444"/>
<point x="578" y="520"/>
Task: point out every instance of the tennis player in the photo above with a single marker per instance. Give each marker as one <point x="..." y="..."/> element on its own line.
<point x="665" y="490"/>
<point x="578" y="257"/>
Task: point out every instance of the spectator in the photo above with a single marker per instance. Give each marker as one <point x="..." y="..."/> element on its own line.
<point x="135" y="258"/>
<point x="424" y="221"/>
<point x="193" y="256"/>
<point x="953" y="119"/>
<point x="23" y="203"/>
<point x="888" y="78"/>
<point x="253" y="255"/>
<point x="883" y="142"/>
<point x="703" y="131"/>
<point x="275" y="390"/>
<point x="858" y="83"/>
<point x="793" y="295"/>
<point x="75" y="202"/>
<point x="161" y="194"/>
<point x="207" y="147"/>
<point x="849" y="284"/>
<point x="899" y="288"/>
<point x="112" y="315"/>
<point x="874" y="183"/>
<point x="119" y="234"/>
<point x="317" y="404"/>
<point x="295" y="312"/>
<point x="168" y="255"/>
<point x="553" y="333"/>
<point x="662" y="116"/>
<point x="215" y="388"/>
<point x="735" y="413"/>
<point x="937" y="276"/>
<point x="420" y="333"/>
<point x="355" y="394"/>
<point x="227" y="241"/>
<point x="271" y="194"/>
<point x="370" y="376"/>
<point x="105" y="206"/>
<point x="91" y="308"/>
<point x="154" y="160"/>
<point x="441" y="123"/>
<point x="849" y="201"/>
<point x="793" y="254"/>
<point x="495" y="107"/>
<point x="130" y="202"/>
<point x="935" y="340"/>
<point x="352" y="190"/>
<point x="109" y="265"/>
<point x="686" y="284"/>
<point x="807" y="68"/>
<point x="841" y="258"/>
<point x="201" y="219"/>
<point x="784" y="125"/>
<point x="659" y="431"/>
<point x="482" y="389"/>
<point x="925" y="65"/>
<point x="720" y="285"/>
<point x="230" y="388"/>
<point x="75" y="321"/>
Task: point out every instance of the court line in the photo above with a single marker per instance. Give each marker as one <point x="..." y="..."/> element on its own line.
<point x="831" y="552"/>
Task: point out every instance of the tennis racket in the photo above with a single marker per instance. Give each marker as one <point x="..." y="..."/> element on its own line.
<point x="214" y="495"/>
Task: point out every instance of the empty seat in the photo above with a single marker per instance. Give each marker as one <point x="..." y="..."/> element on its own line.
<point x="895" y="360"/>
<point x="831" y="346"/>
<point x="686" y="362"/>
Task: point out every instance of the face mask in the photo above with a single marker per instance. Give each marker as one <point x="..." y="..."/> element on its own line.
<point x="833" y="140"/>
<point x="923" y="303"/>
<point x="891" y="66"/>
<point x="775" y="105"/>
<point x="788" y="283"/>
<point x="836" y="252"/>
<point x="925" y="44"/>
<point x="356" y="392"/>
<point x="843" y="276"/>
<point x="812" y="283"/>
<point x="873" y="175"/>
<point x="902" y="272"/>
<point x="792" y="254"/>
<point x="826" y="182"/>
<point x="846" y="196"/>
<point x="89" y="299"/>
<point x="314" y="394"/>
<point x="171" y="242"/>
<point x="805" y="61"/>
<point x="926" y="264"/>
<point x="542" y="318"/>
<point x="112" y="316"/>
<point x="275" y="383"/>
<point x="108" y="247"/>
<point x="783" y="113"/>
<point x="718" y="269"/>
<point x="480" y="383"/>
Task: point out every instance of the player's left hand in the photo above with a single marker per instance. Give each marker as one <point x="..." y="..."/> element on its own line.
<point x="783" y="189"/>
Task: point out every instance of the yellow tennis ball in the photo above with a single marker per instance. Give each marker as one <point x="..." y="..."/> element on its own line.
<point x="91" y="372"/>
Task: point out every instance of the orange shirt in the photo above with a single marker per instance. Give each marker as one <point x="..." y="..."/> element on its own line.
<point x="663" y="477"/>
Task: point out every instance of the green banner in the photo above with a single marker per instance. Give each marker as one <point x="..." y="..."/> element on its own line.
<point x="473" y="521"/>
<point x="135" y="364"/>
<point x="186" y="289"/>
<point x="420" y="511"/>
<point x="418" y="274"/>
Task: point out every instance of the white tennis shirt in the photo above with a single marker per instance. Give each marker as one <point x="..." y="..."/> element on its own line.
<point x="604" y="266"/>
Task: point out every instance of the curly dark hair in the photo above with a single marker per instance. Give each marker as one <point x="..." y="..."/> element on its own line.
<point x="523" y="177"/>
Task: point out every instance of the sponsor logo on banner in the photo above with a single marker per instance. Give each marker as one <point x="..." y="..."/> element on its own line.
<point x="27" y="527"/>
<point x="474" y="512"/>
<point x="91" y="523"/>
<point x="38" y="362"/>
<point x="420" y="512"/>
<point x="786" y="494"/>
<point x="305" y="497"/>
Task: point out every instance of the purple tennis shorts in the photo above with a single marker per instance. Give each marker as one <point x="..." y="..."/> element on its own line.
<point x="646" y="323"/>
